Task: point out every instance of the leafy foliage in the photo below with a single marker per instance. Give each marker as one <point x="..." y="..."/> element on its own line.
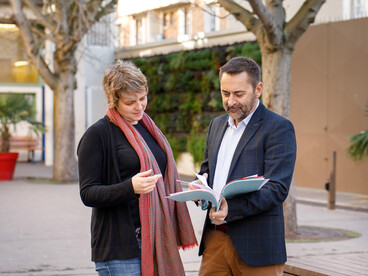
<point x="14" y="108"/>
<point x="184" y="91"/>
<point x="359" y="144"/>
<point x="196" y="145"/>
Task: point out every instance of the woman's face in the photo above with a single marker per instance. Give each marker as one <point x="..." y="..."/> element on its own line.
<point x="131" y="106"/>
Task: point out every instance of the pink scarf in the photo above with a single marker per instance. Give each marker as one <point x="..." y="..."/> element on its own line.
<point x="166" y="224"/>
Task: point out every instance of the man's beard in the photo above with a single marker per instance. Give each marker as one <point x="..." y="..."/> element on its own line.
<point x="238" y="113"/>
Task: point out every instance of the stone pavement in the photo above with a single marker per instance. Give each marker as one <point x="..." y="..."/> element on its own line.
<point x="44" y="228"/>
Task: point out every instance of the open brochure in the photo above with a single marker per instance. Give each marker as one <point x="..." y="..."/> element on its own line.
<point x="205" y="192"/>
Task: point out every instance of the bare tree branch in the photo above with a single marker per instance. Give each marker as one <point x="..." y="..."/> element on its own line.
<point x="74" y="20"/>
<point x="67" y="47"/>
<point x="30" y="44"/>
<point x="37" y="31"/>
<point x="301" y="20"/>
<point x="273" y="32"/>
<point x="92" y="8"/>
<point x="73" y="15"/>
<point x="277" y="10"/>
<point x="243" y="15"/>
<point x="108" y="8"/>
<point x="43" y="20"/>
<point x="64" y="23"/>
<point x="61" y="18"/>
<point x="211" y="13"/>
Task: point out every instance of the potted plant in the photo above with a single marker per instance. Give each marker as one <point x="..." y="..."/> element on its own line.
<point x="14" y="107"/>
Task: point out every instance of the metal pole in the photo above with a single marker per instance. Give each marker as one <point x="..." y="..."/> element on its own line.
<point x="331" y="203"/>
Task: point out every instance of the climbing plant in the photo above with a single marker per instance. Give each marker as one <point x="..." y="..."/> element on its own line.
<point x="184" y="92"/>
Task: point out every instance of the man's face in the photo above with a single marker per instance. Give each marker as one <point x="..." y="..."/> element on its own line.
<point x="238" y="96"/>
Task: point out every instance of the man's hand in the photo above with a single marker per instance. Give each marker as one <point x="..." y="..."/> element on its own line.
<point x="143" y="183"/>
<point x="219" y="217"/>
<point x="194" y="187"/>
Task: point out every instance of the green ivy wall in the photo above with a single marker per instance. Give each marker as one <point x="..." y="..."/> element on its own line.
<point x="184" y="92"/>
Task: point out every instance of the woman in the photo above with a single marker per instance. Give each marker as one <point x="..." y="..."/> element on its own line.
<point x="126" y="170"/>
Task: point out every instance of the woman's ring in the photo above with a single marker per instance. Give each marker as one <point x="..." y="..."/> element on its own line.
<point x="213" y="217"/>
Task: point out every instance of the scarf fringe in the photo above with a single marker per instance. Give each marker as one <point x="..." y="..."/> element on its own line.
<point x="189" y="246"/>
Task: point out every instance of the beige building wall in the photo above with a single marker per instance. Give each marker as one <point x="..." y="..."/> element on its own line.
<point x="124" y="33"/>
<point x="328" y="95"/>
<point x="197" y="19"/>
<point x="171" y="24"/>
<point x="223" y="14"/>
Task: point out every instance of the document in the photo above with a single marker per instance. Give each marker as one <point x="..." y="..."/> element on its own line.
<point x="236" y="187"/>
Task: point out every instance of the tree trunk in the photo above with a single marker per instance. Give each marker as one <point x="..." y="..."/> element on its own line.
<point x="65" y="165"/>
<point x="276" y="76"/>
<point x="291" y="222"/>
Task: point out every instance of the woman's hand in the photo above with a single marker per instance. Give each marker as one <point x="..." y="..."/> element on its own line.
<point x="193" y="187"/>
<point x="143" y="183"/>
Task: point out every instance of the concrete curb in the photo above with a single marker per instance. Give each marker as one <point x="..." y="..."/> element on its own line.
<point x="320" y="203"/>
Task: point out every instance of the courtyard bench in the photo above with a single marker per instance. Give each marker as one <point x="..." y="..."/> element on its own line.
<point x="24" y="143"/>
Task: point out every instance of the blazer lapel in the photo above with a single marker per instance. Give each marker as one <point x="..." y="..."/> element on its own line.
<point x="217" y="143"/>
<point x="254" y="123"/>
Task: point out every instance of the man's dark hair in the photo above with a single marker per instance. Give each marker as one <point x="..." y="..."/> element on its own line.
<point x="238" y="65"/>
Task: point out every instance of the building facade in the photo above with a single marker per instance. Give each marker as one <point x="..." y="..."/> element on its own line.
<point x="138" y="29"/>
<point x="17" y="75"/>
<point x="148" y="28"/>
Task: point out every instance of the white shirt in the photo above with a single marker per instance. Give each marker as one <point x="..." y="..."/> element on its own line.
<point x="225" y="155"/>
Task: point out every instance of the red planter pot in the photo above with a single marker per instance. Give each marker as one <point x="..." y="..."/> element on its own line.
<point x="8" y="160"/>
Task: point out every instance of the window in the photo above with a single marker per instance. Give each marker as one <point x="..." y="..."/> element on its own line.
<point x="169" y="19"/>
<point x="170" y="27"/>
<point x="165" y="20"/>
<point x="210" y="18"/>
<point x="139" y="31"/>
<point x="172" y="18"/>
<point x="186" y="21"/>
<point x="359" y="8"/>
<point x="355" y="9"/>
<point x="103" y="33"/>
<point x="14" y="64"/>
<point x="183" y="21"/>
<point x="29" y="97"/>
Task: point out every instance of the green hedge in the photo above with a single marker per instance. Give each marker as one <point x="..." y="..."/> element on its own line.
<point x="184" y="92"/>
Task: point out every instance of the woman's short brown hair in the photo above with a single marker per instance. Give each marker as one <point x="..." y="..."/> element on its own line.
<point x="120" y="77"/>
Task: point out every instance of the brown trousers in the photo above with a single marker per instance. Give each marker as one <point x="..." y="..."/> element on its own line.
<point x="220" y="258"/>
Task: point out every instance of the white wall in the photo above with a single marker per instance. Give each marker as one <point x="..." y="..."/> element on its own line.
<point x="90" y="102"/>
<point x="153" y="26"/>
<point x="331" y="10"/>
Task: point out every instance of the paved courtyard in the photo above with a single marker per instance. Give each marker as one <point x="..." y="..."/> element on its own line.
<point x="45" y="230"/>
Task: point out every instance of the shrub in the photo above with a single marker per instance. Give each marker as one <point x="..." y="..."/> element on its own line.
<point x="196" y="145"/>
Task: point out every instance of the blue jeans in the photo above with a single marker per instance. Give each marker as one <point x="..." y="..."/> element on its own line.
<point x="130" y="267"/>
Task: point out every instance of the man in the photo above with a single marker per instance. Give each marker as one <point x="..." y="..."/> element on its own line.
<point x="246" y="236"/>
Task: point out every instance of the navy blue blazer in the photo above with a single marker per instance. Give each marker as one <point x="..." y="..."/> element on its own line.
<point x="255" y="220"/>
